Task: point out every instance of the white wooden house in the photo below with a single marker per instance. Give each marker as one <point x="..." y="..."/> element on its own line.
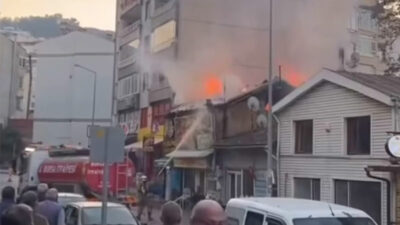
<point x="332" y="128"/>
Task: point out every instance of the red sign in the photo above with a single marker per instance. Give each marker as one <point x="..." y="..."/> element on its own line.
<point x="61" y="171"/>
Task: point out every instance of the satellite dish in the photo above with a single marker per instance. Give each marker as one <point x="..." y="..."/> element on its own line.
<point x="253" y="103"/>
<point x="354" y="59"/>
<point x="262" y="121"/>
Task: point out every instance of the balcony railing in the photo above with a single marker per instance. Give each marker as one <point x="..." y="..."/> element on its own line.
<point x="130" y="28"/>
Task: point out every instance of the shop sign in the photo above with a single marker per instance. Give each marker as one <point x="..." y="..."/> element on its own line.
<point x="191" y="163"/>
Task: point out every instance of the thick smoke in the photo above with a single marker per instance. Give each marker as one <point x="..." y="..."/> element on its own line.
<point x="228" y="39"/>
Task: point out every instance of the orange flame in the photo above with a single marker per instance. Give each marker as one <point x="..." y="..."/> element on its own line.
<point x="293" y="77"/>
<point x="213" y="86"/>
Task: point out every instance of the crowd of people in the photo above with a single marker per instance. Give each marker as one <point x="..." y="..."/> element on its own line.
<point x="33" y="207"/>
<point x="40" y="207"/>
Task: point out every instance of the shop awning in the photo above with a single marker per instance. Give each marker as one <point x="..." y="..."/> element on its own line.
<point x="139" y="145"/>
<point x="190" y="153"/>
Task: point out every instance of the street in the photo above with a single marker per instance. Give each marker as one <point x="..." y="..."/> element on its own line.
<point x="156" y="214"/>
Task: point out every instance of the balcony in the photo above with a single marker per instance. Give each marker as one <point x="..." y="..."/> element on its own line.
<point x="163" y="6"/>
<point x="130" y="10"/>
<point x="129" y="102"/>
<point x="130" y="33"/>
<point x="128" y="57"/>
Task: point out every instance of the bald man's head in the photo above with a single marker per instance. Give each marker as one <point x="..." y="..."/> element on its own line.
<point x="208" y="212"/>
<point x="171" y="214"/>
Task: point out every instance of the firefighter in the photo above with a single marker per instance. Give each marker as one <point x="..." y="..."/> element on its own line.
<point x="144" y="198"/>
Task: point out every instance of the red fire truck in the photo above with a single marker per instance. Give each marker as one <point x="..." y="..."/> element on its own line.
<point x="69" y="169"/>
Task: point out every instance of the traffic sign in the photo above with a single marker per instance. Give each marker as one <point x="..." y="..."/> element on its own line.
<point x="106" y="144"/>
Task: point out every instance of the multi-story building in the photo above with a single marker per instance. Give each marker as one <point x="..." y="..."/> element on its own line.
<point x="13" y="73"/>
<point x="73" y="89"/>
<point x="28" y="42"/>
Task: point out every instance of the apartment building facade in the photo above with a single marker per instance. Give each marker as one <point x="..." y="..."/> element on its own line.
<point x="13" y="73"/>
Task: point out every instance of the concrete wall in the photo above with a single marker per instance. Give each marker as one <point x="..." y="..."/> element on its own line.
<point x="64" y="93"/>
<point x="331" y="104"/>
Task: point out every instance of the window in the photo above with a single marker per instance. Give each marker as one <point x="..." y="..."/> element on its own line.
<point x="18" y="103"/>
<point x="135" y="84"/>
<point x="307" y="188"/>
<point x="163" y="36"/>
<point x="272" y="221"/>
<point x="365" y="20"/>
<point x="366" y="46"/>
<point x="359" y="135"/>
<point x="360" y="194"/>
<point x="235" y="184"/>
<point x="304" y="137"/>
<point x="71" y="216"/>
<point x="160" y="111"/>
<point x="253" y="218"/>
<point x="124" y="87"/>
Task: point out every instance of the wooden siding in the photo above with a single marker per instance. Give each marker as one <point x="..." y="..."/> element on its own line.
<point x="328" y="105"/>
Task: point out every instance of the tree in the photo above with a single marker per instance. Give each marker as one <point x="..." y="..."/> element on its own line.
<point x="388" y="15"/>
<point x="40" y="26"/>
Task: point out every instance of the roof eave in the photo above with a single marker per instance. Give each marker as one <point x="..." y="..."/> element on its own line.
<point x="326" y="75"/>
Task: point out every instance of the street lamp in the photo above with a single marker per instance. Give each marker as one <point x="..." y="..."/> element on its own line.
<point x="94" y="73"/>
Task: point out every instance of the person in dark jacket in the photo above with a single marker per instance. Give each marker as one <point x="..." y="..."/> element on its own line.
<point x="41" y="191"/>
<point x="7" y="199"/>
<point x="20" y="214"/>
<point x="30" y="198"/>
<point x="51" y="209"/>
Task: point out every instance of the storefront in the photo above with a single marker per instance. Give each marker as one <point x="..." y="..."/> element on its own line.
<point x="189" y="171"/>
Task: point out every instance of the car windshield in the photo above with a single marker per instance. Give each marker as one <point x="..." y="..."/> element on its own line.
<point x="333" y="221"/>
<point x="115" y="216"/>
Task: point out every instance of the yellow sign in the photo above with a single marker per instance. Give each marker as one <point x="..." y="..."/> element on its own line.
<point x="100" y="133"/>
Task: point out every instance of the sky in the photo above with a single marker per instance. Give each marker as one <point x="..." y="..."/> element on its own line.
<point x="90" y="13"/>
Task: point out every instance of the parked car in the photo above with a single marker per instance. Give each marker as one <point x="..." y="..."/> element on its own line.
<point x="64" y="198"/>
<point x="89" y="213"/>
<point x="288" y="211"/>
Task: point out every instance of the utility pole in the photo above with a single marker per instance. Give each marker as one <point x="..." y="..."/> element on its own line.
<point x="13" y="74"/>
<point x="30" y="87"/>
<point x="113" y="118"/>
<point x="269" y="131"/>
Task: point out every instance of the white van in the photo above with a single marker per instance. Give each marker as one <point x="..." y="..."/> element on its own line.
<point x="288" y="211"/>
